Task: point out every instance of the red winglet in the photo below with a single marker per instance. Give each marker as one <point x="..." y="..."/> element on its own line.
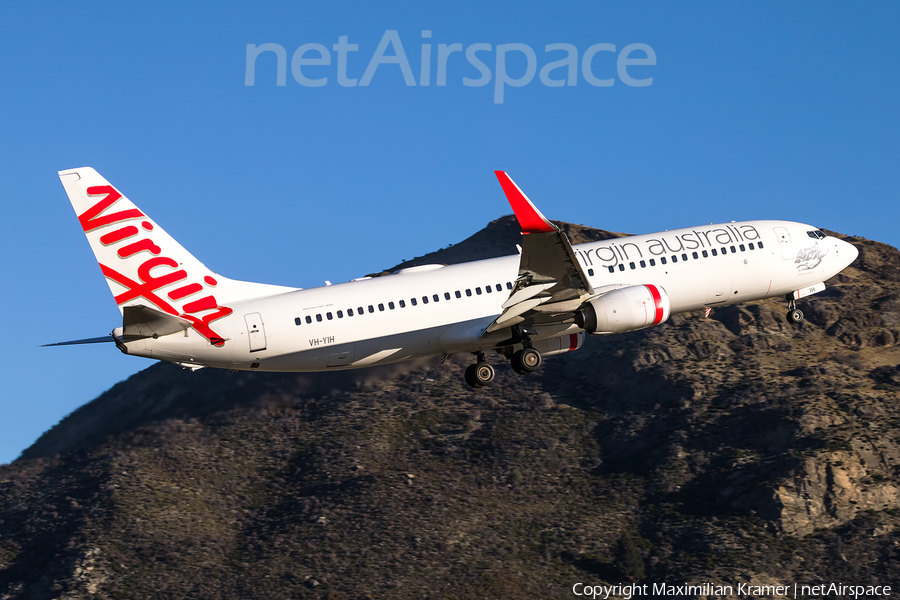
<point x="530" y="218"/>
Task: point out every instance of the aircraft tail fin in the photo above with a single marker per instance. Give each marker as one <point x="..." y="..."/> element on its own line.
<point x="143" y="264"/>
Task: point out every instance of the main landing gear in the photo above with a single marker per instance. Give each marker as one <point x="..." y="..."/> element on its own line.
<point x="481" y="373"/>
<point x="795" y="315"/>
<point x="526" y="360"/>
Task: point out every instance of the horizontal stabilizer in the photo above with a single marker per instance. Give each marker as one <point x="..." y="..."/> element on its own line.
<point x="96" y="340"/>
<point x="142" y="322"/>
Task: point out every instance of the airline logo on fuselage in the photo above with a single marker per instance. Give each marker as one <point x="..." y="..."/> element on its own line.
<point x="810" y="258"/>
<point x="613" y="252"/>
<point x="128" y="242"/>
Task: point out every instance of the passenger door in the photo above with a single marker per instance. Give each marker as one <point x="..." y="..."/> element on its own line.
<point x="255" y="331"/>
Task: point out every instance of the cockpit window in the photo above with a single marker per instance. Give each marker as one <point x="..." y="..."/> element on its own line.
<point x="816" y="234"/>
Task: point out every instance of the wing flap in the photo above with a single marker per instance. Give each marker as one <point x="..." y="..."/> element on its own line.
<point x="526" y="293"/>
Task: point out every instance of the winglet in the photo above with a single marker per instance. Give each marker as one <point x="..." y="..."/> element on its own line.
<point x="530" y="218"/>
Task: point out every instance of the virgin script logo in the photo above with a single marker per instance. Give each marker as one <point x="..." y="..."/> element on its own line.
<point x="150" y="280"/>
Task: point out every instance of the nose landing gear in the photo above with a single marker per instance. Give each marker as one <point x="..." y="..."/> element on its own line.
<point x="794" y="315"/>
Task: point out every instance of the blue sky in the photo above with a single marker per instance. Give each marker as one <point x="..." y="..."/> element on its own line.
<point x="782" y="110"/>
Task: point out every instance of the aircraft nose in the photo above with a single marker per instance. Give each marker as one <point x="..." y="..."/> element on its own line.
<point x="846" y="252"/>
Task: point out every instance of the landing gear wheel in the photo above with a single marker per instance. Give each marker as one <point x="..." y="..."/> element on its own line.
<point x="795" y="315"/>
<point x="480" y="374"/>
<point x="470" y="376"/>
<point x="527" y="360"/>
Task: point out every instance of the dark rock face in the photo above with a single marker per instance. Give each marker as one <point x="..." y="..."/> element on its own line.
<point x="737" y="448"/>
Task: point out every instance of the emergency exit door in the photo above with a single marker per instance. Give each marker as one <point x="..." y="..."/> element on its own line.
<point x="255" y="331"/>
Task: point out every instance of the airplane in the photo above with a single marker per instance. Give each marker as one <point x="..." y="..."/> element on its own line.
<point x="525" y="307"/>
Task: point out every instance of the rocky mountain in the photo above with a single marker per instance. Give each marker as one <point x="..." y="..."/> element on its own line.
<point x="730" y="449"/>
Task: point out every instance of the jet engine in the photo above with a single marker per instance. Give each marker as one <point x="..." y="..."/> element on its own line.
<point x="558" y="345"/>
<point x="625" y="309"/>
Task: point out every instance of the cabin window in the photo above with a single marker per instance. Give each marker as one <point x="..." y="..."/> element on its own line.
<point x="309" y="319"/>
<point x="381" y="307"/>
<point x="371" y="308"/>
<point x="714" y="253"/>
<point x="488" y="289"/>
<point x="674" y="258"/>
<point x="319" y="317"/>
<point x="340" y="314"/>
<point x="328" y="316"/>
<point x="402" y="304"/>
<point x="733" y="250"/>
<point x="297" y="321"/>
<point x="695" y="255"/>
<point x="458" y="295"/>
<point x="612" y="269"/>
<point x="413" y="300"/>
<point x="349" y="312"/>
<point x="684" y="256"/>
<point x="662" y="259"/>
<point x="760" y="244"/>
<point x="425" y="299"/>
<point x="724" y="250"/>
<point x="446" y="295"/>
<point x="468" y="292"/>
<point x="621" y="267"/>
<point x="705" y="254"/>
<point x="643" y="265"/>
<point x="391" y="305"/>
<point x="499" y="288"/>
<point x="742" y="248"/>
<point x="508" y="285"/>
<point x="751" y="245"/>
<point x="652" y="262"/>
<point x="631" y="264"/>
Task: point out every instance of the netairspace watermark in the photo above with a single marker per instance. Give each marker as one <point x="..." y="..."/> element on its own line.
<point x="308" y="60"/>
<point x="744" y="590"/>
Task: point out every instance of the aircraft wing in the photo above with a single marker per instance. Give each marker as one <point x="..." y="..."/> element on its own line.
<point x="551" y="282"/>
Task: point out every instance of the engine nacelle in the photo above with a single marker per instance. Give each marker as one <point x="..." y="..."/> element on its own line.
<point x="558" y="345"/>
<point x="625" y="309"/>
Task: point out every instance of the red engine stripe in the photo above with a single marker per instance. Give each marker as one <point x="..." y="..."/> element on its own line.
<point x="573" y="341"/>
<point x="657" y="300"/>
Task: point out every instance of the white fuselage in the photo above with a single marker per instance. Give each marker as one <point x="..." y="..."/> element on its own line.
<point x="387" y="319"/>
